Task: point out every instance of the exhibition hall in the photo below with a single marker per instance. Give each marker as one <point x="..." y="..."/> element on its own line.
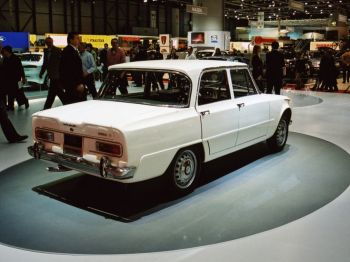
<point x="165" y="130"/>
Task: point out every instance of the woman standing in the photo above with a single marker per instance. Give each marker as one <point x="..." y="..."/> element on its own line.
<point x="257" y="65"/>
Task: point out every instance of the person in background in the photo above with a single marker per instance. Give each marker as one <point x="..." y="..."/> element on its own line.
<point x="172" y="77"/>
<point x="103" y="61"/>
<point x="159" y="56"/>
<point x="115" y="56"/>
<point x="300" y="70"/>
<point x="141" y="55"/>
<point x="217" y="52"/>
<point x="91" y="50"/>
<point x="151" y="77"/>
<point x="71" y="70"/>
<point x="258" y="67"/>
<point x="13" y="73"/>
<point x="345" y="62"/>
<point x="9" y="131"/>
<point x="274" y="69"/>
<point x="89" y="67"/>
<point x="323" y="72"/>
<point x="328" y="72"/>
<point x="52" y="57"/>
<point x="190" y="55"/>
<point x="172" y="54"/>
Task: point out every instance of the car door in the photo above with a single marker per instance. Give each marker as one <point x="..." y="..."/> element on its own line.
<point x="254" y="109"/>
<point x="219" y="116"/>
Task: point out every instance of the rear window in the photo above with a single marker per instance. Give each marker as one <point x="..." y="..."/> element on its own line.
<point x="151" y="87"/>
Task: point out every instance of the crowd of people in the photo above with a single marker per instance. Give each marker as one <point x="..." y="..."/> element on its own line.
<point x="270" y="75"/>
<point x="72" y="72"/>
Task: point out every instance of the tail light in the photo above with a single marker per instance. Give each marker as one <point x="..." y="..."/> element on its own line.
<point x="112" y="149"/>
<point x="44" y="135"/>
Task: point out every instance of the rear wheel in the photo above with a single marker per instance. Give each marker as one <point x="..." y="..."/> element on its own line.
<point x="277" y="142"/>
<point x="183" y="171"/>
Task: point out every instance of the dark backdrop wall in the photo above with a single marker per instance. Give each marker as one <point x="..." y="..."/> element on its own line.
<point x="92" y="16"/>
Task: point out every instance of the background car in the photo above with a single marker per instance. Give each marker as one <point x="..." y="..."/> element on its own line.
<point x="32" y="64"/>
<point x="207" y="52"/>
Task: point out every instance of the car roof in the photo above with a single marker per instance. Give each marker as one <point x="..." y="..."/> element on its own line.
<point x="177" y="65"/>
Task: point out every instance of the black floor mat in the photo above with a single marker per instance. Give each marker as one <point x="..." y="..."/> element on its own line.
<point x="107" y="198"/>
<point x="129" y="202"/>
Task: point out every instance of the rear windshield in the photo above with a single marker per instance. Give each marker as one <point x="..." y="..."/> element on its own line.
<point x="158" y="88"/>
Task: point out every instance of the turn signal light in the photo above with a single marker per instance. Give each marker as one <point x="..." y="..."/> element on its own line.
<point x="44" y="135"/>
<point x="113" y="149"/>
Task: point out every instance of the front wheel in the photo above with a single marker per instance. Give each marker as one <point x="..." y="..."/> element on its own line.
<point x="277" y="142"/>
<point x="183" y="171"/>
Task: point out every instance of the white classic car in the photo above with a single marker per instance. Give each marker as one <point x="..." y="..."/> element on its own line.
<point x="32" y="64"/>
<point x="206" y="109"/>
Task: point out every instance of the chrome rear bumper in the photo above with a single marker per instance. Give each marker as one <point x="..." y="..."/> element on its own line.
<point x="103" y="169"/>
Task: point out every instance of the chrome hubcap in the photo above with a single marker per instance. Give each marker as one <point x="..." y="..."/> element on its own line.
<point x="281" y="134"/>
<point x="185" y="169"/>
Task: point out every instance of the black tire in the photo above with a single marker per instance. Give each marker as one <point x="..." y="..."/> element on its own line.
<point x="277" y="142"/>
<point x="183" y="172"/>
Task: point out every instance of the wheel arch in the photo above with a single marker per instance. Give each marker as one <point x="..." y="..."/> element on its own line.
<point x="199" y="148"/>
<point x="287" y="113"/>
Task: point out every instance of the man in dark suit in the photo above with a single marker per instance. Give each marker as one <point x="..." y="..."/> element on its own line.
<point x="52" y="57"/>
<point x="274" y="69"/>
<point x="71" y="70"/>
<point x="13" y="72"/>
<point x="9" y="131"/>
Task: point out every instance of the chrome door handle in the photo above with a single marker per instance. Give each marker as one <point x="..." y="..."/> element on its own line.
<point x="240" y="105"/>
<point x="205" y="113"/>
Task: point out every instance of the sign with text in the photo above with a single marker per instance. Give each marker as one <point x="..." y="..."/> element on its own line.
<point x="195" y="9"/>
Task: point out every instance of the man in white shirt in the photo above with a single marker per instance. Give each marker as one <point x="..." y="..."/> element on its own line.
<point x="89" y="67"/>
<point x="190" y="55"/>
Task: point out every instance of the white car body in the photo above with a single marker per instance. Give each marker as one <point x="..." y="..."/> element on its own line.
<point x="32" y="64"/>
<point x="150" y="136"/>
